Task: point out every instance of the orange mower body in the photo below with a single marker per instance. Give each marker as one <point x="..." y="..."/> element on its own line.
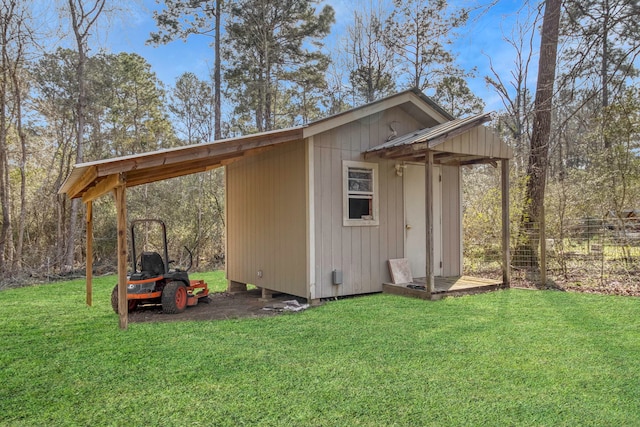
<point x="156" y="284"/>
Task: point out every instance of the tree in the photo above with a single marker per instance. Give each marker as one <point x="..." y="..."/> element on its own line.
<point x="56" y="90"/>
<point x="182" y="19"/>
<point x="453" y="94"/>
<point x="134" y="118"/>
<point x="191" y="104"/>
<point x="604" y="42"/>
<point x="533" y="214"/>
<point x="83" y="16"/>
<point x="419" y="33"/>
<point x="513" y="89"/>
<point x="16" y="35"/>
<point x="372" y="69"/>
<point x="621" y="183"/>
<point x="267" y="49"/>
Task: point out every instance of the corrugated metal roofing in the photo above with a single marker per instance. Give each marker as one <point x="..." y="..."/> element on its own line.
<point x="430" y="134"/>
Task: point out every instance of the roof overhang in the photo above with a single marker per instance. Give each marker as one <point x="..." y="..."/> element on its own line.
<point x="92" y="180"/>
<point x="462" y="142"/>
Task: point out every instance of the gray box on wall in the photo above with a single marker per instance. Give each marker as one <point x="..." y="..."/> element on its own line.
<point x="336" y="277"/>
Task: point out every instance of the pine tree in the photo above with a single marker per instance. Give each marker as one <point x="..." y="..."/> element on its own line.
<point x="267" y="49"/>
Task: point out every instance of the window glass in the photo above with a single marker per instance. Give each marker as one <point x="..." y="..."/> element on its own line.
<point x="360" y="194"/>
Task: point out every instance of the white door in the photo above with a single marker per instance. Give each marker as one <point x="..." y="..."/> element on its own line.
<point x="415" y="224"/>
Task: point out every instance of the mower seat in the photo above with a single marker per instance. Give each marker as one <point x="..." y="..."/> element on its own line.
<point x="151" y="263"/>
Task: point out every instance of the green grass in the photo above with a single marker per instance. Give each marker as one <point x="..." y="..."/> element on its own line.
<point x="514" y="357"/>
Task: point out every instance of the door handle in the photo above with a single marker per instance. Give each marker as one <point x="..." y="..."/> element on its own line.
<point x="408" y="227"/>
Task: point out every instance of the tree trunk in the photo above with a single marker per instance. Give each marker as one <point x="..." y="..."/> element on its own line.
<point x="217" y="79"/>
<point x="532" y="219"/>
<point x="4" y="126"/>
<point x="23" y="165"/>
<point x="81" y="22"/>
<point x="604" y="78"/>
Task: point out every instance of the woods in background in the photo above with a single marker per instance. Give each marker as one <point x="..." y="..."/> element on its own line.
<point x="273" y="69"/>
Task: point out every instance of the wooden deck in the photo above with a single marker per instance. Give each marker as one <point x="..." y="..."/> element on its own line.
<point x="444" y="286"/>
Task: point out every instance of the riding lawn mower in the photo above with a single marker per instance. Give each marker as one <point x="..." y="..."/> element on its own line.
<point x="153" y="282"/>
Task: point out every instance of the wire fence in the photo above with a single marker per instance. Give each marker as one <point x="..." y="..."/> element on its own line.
<point x="592" y="252"/>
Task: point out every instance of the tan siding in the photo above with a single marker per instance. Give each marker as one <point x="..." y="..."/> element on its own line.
<point x="317" y="195"/>
<point x="361" y="253"/>
<point x="479" y="141"/>
<point x="483" y="146"/>
<point x="451" y="221"/>
<point x="266" y="220"/>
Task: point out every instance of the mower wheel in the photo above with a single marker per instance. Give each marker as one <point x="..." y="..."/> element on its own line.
<point x="174" y="298"/>
<point x="114" y="300"/>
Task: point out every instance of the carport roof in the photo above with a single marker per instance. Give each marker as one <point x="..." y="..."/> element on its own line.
<point x="93" y="179"/>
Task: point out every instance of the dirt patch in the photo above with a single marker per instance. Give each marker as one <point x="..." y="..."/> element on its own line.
<point x="221" y="305"/>
<point x="630" y="288"/>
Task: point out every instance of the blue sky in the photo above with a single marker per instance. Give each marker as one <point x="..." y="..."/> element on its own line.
<point x="480" y="39"/>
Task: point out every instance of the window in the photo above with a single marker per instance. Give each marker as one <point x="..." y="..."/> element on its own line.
<point x="360" y="202"/>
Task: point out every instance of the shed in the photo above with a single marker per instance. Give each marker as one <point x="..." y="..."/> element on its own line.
<point x="317" y="211"/>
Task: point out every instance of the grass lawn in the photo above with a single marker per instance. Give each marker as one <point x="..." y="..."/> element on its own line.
<point x="513" y="357"/>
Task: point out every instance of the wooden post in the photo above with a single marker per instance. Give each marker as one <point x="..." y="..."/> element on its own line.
<point x="428" y="194"/>
<point x="89" y="253"/>
<point x="121" y="210"/>
<point x="506" y="251"/>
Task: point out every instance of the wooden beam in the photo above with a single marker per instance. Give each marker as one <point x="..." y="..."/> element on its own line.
<point x="152" y="175"/>
<point x="102" y="187"/>
<point x="428" y="190"/>
<point x="85" y="180"/>
<point x="478" y="161"/>
<point x="506" y="251"/>
<point x="121" y="209"/>
<point x="89" y="254"/>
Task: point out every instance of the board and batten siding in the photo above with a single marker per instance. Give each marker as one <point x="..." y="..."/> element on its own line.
<point x="266" y="220"/>
<point x="479" y="141"/>
<point x="451" y="221"/>
<point x="359" y="252"/>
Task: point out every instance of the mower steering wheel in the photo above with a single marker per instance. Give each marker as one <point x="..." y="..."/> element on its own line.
<point x="190" y="259"/>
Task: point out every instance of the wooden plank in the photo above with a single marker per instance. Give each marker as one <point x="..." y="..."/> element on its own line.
<point x="104" y="186"/>
<point x="327" y="198"/>
<point x="444" y="286"/>
<point x="346" y="238"/>
<point x="428" y="182"/>
<point x="89" y="254"/>
<point x="121" y="210"/>
<point x="506" y="254"/>
<point x="479" y="280"/>
<point x="402" y="290"/>
<point x="317" y="202"/>
<point x="76" y="189"/>
<point x="311" y="218"/>
<point x="337" y="262"/>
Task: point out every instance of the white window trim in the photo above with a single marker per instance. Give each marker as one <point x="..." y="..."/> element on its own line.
<point x="346" y="221"/>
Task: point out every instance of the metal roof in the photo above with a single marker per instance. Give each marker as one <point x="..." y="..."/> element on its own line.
<point x="170" y="163"/>
<point x="434" y="135"/>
